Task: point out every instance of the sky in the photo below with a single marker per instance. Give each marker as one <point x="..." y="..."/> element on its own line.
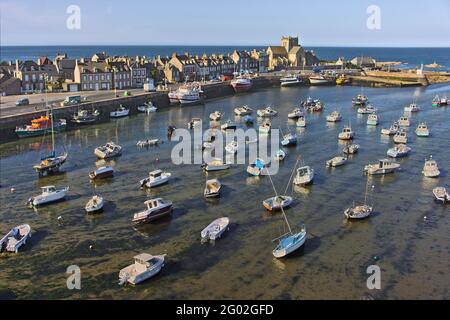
<point x="402" y="23"/>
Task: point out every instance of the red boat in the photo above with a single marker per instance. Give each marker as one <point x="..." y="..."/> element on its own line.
<point x="241" y="84"/>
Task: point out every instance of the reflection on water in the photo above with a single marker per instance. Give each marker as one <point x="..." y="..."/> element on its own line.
<point x="413" y="253"/>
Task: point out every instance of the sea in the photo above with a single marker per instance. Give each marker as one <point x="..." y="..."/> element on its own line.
<point x="410" y="57"/>
<point x="407" y="236"/>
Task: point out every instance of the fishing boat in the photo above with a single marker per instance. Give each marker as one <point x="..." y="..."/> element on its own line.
<point x="336" y="162"/>
<point x="351" y="149"/>
<point x="346" y="134"/>
<point x="301" y="122"/>
<point x="147" y="108"/>
<point x="372" y="119"/>
<point x="41" y="126"/>
<point x="232" y="147"/>
<point x="147" y="143"/>
<point x="441" y="194"/>
<point x="241" y="84"/>
<point x="394" y="128"/>
<point x="383" y="166"/>
<point x="85" y="116"/>
<point x="144" y="267"/>
<point x="289" y="139"/>
<point x="216" y="116"/>
<point x="228" y="125"/>
<point x="94" y="205"/>
<point x="15" y="239"/>
<point x="101" y="173"/>
<point x="120" y="112"/>
<point x="265" y="127"/>
<point x="155" y="178"/>
<point x="430" y="168"/>
<point x="404" y="121"/>
<point x="280" y="155"/>
<point x="195" y="122"/>
<point x="422" y="130"/>
<point x="215" y="165"/>
<point x="277" y="203"/>
<point x="318" y="80"/>
<point x="304" y="176"/>
<point x="399" y="151"/>
<point x="401" y="137"/>
<point x="107" y="151"/>
<point x="289" y="81"/>
<point x="156" y="208"/>
<point x="436" y="102"/>
<point x="215" y="229"/>
<point x="413" y="107"/>
<point x="335" y="116"/>
<point x="267" y="112"/>
<point x="295" y="114"/>
<point x="360" y="100"/>
<point x="369" y="109"/>
<point x="212" y="189"/>
<point x="257" y="168"/>
<point x="243" y="111"/>
<point x="248" y="120"/>
<point x="360" y="211"/>
<point x="49" y="195"/>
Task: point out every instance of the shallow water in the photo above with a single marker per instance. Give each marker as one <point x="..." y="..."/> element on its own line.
<point x="412" y="252"/>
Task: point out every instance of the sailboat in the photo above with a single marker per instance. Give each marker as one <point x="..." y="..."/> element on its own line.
<point x="50" y="163"/>
<point x="361" y="211"/>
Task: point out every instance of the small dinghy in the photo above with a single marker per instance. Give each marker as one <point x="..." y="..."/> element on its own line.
<point x="49" y="195"/>
<point x="257" y="168"/>
<point x="229" y="125"/>
<point x="334" y="117"/>
<point x="145" y="266"/>
<point x="399" y="151"/>
<point x="336" y="162"/>
<point x="382" y="167"/>
<point x="232" y="147"/>
<point x="216" y="116"/>
<point x="155" y="178"/>
<point x="147" y="143"/>
<point x="101" y="173"/>
<point x="351" y="149"/>
<point x="277" y="203"/>
<point x="441" y="194"/>
<point x="243" y="111"/>
<point x="15" y="238"/>
<point x="94" y="205"/>
<point x="215" y="229"/>
<point x="295" y="114"/>
<point x="215" y="165"/>
<point x="430" y="168"/>
<point x="212" y="189"/>
<point x="280" y="155"/>
<point x="289" y="139"/>
<point x="401" y="137"/>
<point x="109" y="150"/>
<point x="156" y="209"/>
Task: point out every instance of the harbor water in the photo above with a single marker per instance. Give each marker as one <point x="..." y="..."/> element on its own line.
<point x="407" y="236"/>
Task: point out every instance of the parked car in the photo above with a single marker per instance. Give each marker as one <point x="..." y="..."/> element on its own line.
<point x="23" y="102"/>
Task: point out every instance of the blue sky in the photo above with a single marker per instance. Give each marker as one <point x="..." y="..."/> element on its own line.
<point x="230" y="22"/>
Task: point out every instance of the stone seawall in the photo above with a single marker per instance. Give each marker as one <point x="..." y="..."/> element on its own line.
<point x="160" y="99"/>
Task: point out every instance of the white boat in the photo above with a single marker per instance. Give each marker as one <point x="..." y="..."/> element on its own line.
<point x="412" y="108"/>
<point x="441" y="194"/>
<point x="301" y="122"/>
<point x="383" y="166"/>
<point x="147" y="143"/>
<point x="15" y="238"/>
<point x="422" y="130"/>
<point x="212" y="188"/>
<point x="107" y="151"/>
<point x="430" y="168"/>
<point x="318" y="80"/>
<point x="145" y="266"/>
<point x="232" y="147"/>
<point x="391" y="131"/>
<point x="290" y="81"/>
<point x="401" y="137"/>
<point x="257" y="168"/>
<point x="267" y="112"/>
<point x="147" y="108"/>
<point x="335" y="116"/>
<point x="49" y="194"/>
<point x="95" y="204"/>
<point x="289" y="139"/>
<point x="346" y="134"/>
<point x="295" y="114"/>
<point x="336" y="161"/>
<point x="195" y="122"/>
<point x="369" y="109"/>
<point x="215" y="229"/>
<point x="277" y="203"/>
<point x="216" y="116"/>
<point x="265" y="127"/>
<point x="216" y="165"/>
<point x="243" y="111"/>
<point x="404" y="121"/>
<point x="155" y="178"/>
<point x="304" y="176"/>
<point x="372" y="119"/>
<point x="120" y="112"/>
<point x="228" y="125"/>
<point x="280" y="155"/>
<point x="351" y="149"/>
<point x="156" y="209"/>
<point x="399" y="151"/>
